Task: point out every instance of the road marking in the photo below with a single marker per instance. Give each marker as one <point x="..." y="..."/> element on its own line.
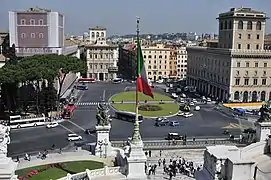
<point x="67" y="129"/>
<point x="76" y="125"/>
<point x="104" y="95"/>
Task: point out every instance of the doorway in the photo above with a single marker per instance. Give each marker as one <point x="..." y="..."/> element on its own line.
<point x="101" y="76"/>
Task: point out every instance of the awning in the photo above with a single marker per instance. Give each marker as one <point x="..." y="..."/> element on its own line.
<point x="66" y="94"/>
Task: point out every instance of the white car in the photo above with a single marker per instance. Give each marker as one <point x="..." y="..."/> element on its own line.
<point x="74" y="137"/>
<point x="197" y="108"/>
<point x="192" y="104"/>
<point x="180" y="113"/>
<point x="188" y="114"/>
<point x="52" y="125"/>
<point x="209" y="100"/>
<point x="174" y="95"/>
<point x="194" y="101"/>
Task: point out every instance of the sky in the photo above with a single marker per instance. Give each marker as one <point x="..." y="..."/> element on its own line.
<point x="119" y="16"/>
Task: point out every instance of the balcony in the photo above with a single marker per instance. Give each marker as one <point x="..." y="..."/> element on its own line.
<point x="113" y="69"/>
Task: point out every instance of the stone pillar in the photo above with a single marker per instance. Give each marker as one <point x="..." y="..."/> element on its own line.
<point x="263" y="130"/>
<point x="103" y="146"/>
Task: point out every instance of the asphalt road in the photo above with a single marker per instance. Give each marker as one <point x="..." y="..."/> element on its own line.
<point x="206" y="122"/>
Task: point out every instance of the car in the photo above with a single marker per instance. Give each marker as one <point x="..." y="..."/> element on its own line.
<point x="191" y="104"/>
<point x="182" y="100"/>
<point x="162" y="123"/>
<point x="90" y="131"/>
<point x="52" y="125"/>
<point x="180" y="113"/>
<point x="194" y="101"/>
<point x="197" y="108"/>
<point x="174" y="123"/>
<point x="174" y="136"/>
<point x="188" y="114"/>
<point x="174" y="95"/>
<point x="74" y="137"/>
<point x="209" y="100"/>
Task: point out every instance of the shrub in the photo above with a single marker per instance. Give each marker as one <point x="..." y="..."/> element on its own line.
<point x="149" y="107"/>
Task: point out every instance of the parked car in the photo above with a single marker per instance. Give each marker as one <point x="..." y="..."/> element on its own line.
<point x="52" y="125"/>
<point x="74" y="137"/>
<point x="209" y="100"/>
<point x="194" y="101"/>
<point x="174" y="123"/>
<point x="188" y="114"/>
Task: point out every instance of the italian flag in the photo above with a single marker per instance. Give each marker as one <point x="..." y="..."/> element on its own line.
<point x="142" y="78"/>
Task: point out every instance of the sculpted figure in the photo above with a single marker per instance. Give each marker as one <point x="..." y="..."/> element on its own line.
<point x="102" y="116"/>
<point x="4" y="139"/>
<point x="265" y="113"/>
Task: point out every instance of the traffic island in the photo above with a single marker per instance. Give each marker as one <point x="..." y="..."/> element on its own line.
<point x="160" y="105"/>
<point x="57" y="170"/>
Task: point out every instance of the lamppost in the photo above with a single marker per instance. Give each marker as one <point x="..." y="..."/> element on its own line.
<point x="100" y="143"/>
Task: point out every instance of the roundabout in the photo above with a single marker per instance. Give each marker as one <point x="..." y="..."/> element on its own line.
<point x="160" y="105"/>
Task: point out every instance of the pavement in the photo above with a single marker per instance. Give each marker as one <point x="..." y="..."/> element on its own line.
<point x="205" y="123"/>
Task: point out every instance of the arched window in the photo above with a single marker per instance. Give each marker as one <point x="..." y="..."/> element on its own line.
<point x="226" y="24"/>
<point x="93" y="34"/>
<point x="22" y="21"/>
<point x="32" y="22"/>
<point x="32" y="35"/>
<point x="41" y="22"/>
<point x="240" y="24"/>
<point x="230" y="24"/>
<point x="23" y="35"/>
<point x="259" y="26"/>
<point x="263" y="96"/>
<point x="220" y="25"/>
<point x="97" y="34"/>
<point x="236" y="95"/>
<point x="102" y="34"/>
<point x="249" y="25"/>
<point x="40" y="35"/>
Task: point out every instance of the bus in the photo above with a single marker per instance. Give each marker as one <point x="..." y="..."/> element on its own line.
<point x="81" y="87"/>
<point x="117" y="80"/>
<point x="68" y="111"/>
<point x="128" y="116"/>
<point x="86" y="80"/>
<point x="17" y="121"/>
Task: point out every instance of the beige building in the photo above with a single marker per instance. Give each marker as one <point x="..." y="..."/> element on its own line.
<point x="181" y="62"/>
<point x="102" y="56"/>
<point x="157" y="61"/>
<point x="239" y="70"/>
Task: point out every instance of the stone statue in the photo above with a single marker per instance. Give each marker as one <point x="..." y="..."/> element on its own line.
<point x="102" y="116"/>
<point x="4" y="140"/>
<point x="265" y="111"/>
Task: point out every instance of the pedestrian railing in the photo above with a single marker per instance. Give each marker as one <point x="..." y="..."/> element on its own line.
<point x="180" y="144"/>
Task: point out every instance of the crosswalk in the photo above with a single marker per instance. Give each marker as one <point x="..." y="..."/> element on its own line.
<point x="89" y="103"/>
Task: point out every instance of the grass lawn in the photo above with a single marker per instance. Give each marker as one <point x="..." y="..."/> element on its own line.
<point x="166" y="109"/>
<point x="130" y="96"/>
<point x="56" y="173"/>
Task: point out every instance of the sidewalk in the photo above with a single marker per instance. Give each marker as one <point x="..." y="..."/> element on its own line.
<point x="79" y="155"/>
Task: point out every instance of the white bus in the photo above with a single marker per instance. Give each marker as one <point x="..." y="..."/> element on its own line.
<point x="17" y="121"/>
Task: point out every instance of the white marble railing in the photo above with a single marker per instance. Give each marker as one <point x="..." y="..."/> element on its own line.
<point x="88" y="174"/>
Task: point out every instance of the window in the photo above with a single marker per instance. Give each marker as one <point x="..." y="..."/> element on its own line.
<point x="32" y="35"/>
<point x="230" y="24"/>
<point x="240" y="25"/>
<point x="221" y="25"/>
<point x="238" y="64"/>
<point x="240" y="36"/>
<point x="40" y="35"/>
<point x="149" y="56"/>
<point x="239" y="46"/>
<point x="259" y="26"/>
<point x="249" y="25"/>
<point x="93" y="34"/>
<point x="246" y="81"/>
<point x="97" y="34"/>
<point x="149" y="67"/>
<point x="41" y="22"/>
<point x="32" y="22"/>
<point x="247" y="64"/>
<point x="226" y="24"/>
<point x="101" y="66"/>
<point x="102" y="34"/>
<point x="264" y="64"/>
<point x="256" y="64"/>
<point x="258" y="36"/>
<point x="255" y="81"/>
<point x="249" y="36"/>
<point x="257" y="46"/>
<point x="237" y="72"/>
<point x="237" y="81"/>
<point x="23" y="35"/>
<point x="264" y="73"/>
<point x="263" y="81"/>
<point x="248" y="46"/>
<point x="22" y="21"/>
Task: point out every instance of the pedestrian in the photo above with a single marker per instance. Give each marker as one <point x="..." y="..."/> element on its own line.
<point x="170" y="175"/>
<point x="159" y="162"/>
<point x="164" y="162"/>
<point x="194" y="139"/>
<point x="146" y="153"/>
<point x="160" y="153"/>
<point x="149" y="153"/>
<point x="18" y="159"/>
<point x="60" y="151"/>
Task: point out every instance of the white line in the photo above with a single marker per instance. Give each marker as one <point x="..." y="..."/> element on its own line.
<point x="66" y="129"/>
<point x="76" y="125"/>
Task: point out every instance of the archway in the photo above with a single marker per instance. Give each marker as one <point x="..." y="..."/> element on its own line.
<point x="263" y="96"/>
<point x="245" y="96"/>
<point x="236" y="95"/>
<point x="254" y="96"/>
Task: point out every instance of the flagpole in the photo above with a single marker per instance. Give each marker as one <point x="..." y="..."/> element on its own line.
<point x="136" y="134"/>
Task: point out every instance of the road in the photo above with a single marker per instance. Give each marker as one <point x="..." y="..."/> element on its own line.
<point x="207" y="122"/>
